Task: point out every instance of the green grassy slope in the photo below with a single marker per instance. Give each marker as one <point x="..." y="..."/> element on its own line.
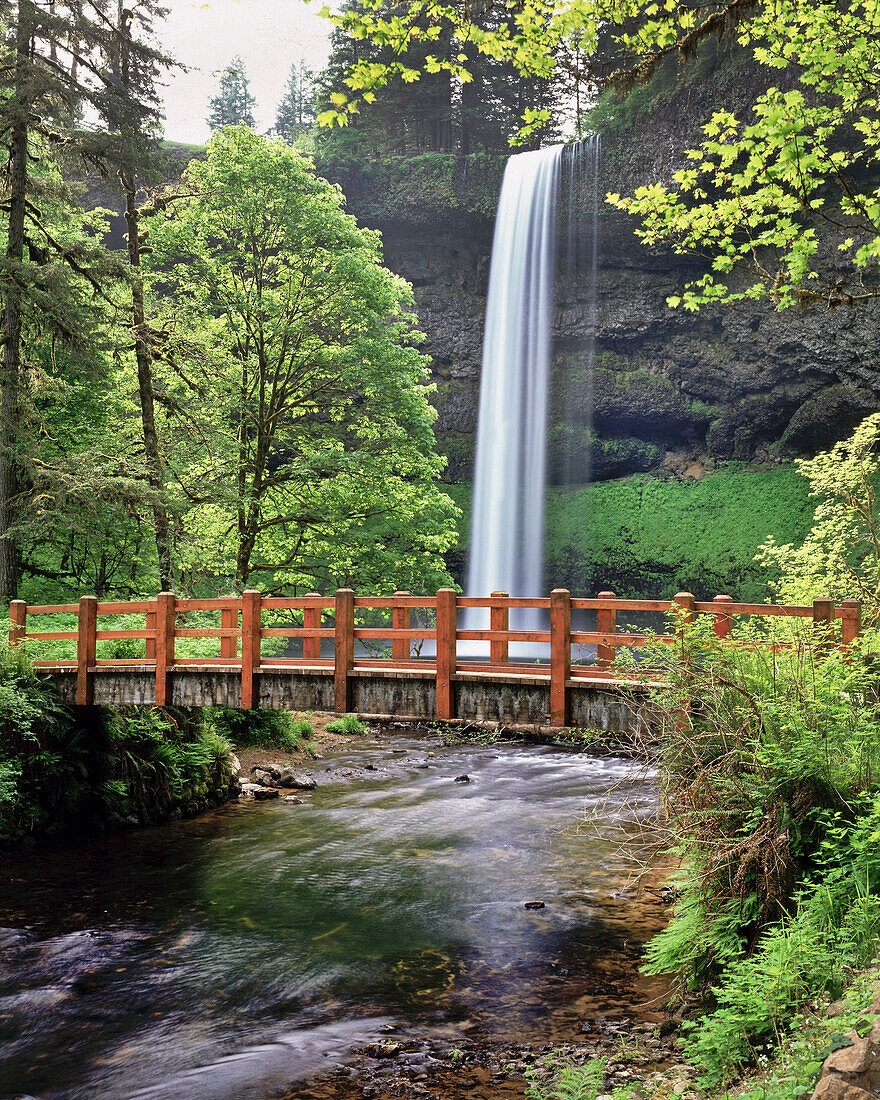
<point x="643" y="537"/>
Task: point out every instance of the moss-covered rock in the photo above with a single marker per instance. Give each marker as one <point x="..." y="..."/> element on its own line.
<point x="825" y="418"/>
<point x="437" y="190"/>
<point x="577" y="455"/>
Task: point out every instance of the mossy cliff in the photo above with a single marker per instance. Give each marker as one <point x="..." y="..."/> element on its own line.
<point x="647" y="537"/>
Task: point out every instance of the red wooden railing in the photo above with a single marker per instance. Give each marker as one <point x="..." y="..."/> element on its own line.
<point x="242" y="629"/>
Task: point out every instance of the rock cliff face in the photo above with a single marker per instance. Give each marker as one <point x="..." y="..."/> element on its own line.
<point x="739" y="382"/>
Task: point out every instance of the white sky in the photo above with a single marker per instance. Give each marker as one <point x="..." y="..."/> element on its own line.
<point x="269" y="35"/>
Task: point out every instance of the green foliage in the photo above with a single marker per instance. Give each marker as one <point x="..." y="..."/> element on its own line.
<point x="349" y="724"/>
<point x="649" y="538"/>
<point x="63" y="769"/>
<point x="445" y="95"/>
<point x="794" y="1071"/>
<point x="655" y="538"/>
<point x="571" y="1082"/>
<point x="771" y="778"/>
<point x="300" y="428"/>
<point x="757" y="188"/>
<point x="840" y="556"/>
<point x="617" y="112"/>
<point x="834" y="930"/>
<point x="270" y="729"/>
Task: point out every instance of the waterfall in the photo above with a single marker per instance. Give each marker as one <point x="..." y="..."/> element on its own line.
<point x="507" y="530"/>
<point x="538" y="234"/>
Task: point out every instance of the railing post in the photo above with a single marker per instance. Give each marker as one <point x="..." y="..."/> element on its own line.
<point x="229" y="621"/>
<point x="150" y="643"/>
<point x="312" y="621"/>
<point x="250" y="646"/>
<point x="722" y="621"/>
<point x="86" y="647"/>
<point x="851" y="624"/>
<point x="401" y="619"/>
<point x="499" y="619"/>
<point x="446" y="632"/>
<point x="165" y="604"/>
<point x="18" y="620"/>
<point x="344" y="649"/>
<point x="685" y="601"/>
<point x="606" y="623"/>
<point x="560" y="655"/>
<point x="823" y="622"/>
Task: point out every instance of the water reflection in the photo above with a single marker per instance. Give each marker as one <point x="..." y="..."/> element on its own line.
<point x="395" y="892"/>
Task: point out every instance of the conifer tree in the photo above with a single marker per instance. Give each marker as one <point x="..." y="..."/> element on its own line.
<point x="296" y="111"/>
<point x="134" y="126"/>
<point x="233" y="104"/>
<point x="55" y="60"/>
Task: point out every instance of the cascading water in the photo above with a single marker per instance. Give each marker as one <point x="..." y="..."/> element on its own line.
<point x="507" y="530"/>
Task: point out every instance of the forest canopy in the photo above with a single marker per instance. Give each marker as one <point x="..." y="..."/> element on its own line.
<point x="806" y="150"/>
<point x="237" y="396"/>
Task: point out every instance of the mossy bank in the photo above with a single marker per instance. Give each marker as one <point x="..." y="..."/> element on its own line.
<point x="648" y="537"/>
<point x="79" y="771"/>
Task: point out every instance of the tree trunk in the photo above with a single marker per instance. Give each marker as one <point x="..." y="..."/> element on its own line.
<point x="242" y="556"/>
<point x="155" y="472"/>
<point x="10" y="420"/>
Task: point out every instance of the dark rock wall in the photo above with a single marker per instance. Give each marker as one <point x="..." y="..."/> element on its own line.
<point x="737" y="382"/>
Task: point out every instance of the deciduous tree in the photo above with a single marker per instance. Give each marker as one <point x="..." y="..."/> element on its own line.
<point x="296" y="395"/>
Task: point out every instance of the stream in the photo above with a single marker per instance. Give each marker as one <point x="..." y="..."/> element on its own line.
<point x="260" y="944"/>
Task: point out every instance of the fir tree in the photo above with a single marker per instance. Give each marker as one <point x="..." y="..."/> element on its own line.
<point x="296" y="111"/>
<point x="56" y="59"/>
<point x="137" y="69"/>
<point x="233" y="104"/>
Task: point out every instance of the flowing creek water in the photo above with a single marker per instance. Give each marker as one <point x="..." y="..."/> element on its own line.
<point x="258" y="945"/>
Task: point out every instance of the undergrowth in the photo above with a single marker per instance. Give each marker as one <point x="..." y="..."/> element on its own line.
<point x="771" y="783"/>
<point x="567" y="1082"/>
<point x="89" y="768"/>
<point x="268" y="729"/>
<point x="648" y="538"/>
<point x="349" y="724"/>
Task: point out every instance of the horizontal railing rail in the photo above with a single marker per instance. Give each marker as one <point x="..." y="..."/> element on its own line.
<point x="413" y="624"/>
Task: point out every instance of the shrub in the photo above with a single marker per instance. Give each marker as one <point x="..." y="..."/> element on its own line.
<point x="350" y="724"/>
<point x="270" y="729"/>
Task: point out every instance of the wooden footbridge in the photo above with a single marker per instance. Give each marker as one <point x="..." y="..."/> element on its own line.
<point x="365" y="653"/>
